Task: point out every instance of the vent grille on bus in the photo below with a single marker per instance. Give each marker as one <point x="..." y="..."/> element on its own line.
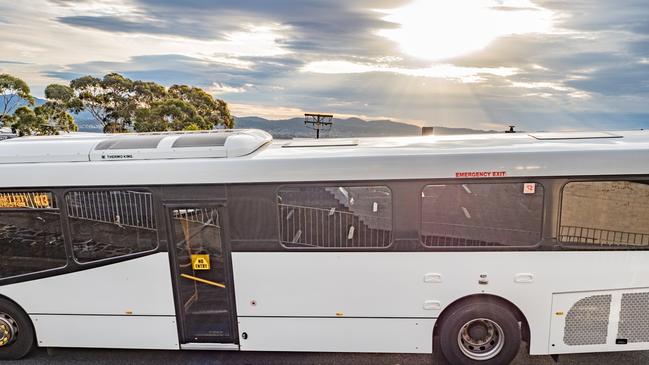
<point x="587" y="321"/>
<point x="634" y="321"/>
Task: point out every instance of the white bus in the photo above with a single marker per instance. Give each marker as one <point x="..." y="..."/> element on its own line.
<point x="227" y="240"/>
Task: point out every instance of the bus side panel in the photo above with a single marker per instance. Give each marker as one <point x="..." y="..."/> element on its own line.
<point x="141" y="286"/>
<point x="337" y="334"/>
<point x="128" y="332"/>
<point x="127" y="304"/>
<point x="415" y="285"/>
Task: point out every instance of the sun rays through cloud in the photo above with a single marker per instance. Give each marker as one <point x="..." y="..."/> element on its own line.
<point x="443" y="29"/>
<point x="542" y="64"/>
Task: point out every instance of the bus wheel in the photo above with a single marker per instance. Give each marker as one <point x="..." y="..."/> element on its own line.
<point x="16" y="332"/>
<point x="480" y="333"/>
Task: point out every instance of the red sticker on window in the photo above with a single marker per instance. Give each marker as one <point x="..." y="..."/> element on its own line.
<point x="529" y="188"/>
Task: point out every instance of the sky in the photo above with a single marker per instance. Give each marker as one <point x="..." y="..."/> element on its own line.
<point x="539" y="65"/>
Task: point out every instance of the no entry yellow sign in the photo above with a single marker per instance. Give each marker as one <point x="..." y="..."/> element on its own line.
<point x="201" y="262"/>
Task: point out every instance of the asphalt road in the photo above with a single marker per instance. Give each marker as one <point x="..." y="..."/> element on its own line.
<point x="95" y="356"/>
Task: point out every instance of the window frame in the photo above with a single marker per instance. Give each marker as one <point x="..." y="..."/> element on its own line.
<point x="515" y="180"/>
<point x="109" y="260"/>
<point x="62" y="217"/>
<point x="568" y="246"/>
<point x="329" y="184"/>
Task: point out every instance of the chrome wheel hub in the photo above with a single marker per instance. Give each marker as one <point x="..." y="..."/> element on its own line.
<point x="481" y="339"/>
<point x="8" y="329"/>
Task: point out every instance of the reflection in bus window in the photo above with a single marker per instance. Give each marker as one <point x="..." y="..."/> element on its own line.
<point x="105" y="224"/>
<point x="30" y="237"/>
<point x="482" y="214"/>
<point x="336" y="217"/>
<point x="605" y="213"/>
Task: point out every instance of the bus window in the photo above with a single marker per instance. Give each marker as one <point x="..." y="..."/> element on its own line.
<point x="30" y="233"/>
<point x="605" y="213"/>
<point x="503" y="214"/>
<point x="105" y="224"/>
<point x="335" y="217"/>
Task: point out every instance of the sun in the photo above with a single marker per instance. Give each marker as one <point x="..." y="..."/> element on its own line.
<point x="443" y="29"/>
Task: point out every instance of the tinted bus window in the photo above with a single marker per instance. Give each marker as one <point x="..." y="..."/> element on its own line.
<point x="105" y="224"/>
<point x="335" y="217"/>
<point x="30" y="233"/>
<point x="605" y="213"/>
<point x="482" y="214"/>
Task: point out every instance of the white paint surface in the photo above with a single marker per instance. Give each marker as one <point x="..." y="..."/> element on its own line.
<point x="395" y="286"/>
<point x="337" y="334"/>
<point x="129" y="332"/>
<point x="141" y="286"/>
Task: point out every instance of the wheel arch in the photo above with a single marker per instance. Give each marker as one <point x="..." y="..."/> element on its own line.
<point x="490" y="298"/>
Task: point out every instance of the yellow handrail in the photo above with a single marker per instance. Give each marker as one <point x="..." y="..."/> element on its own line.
<point x="202" y="280"/>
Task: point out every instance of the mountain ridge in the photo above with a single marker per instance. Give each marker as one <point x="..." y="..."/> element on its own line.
<point x="295" y="127"/>
<point x="344" y="127"/>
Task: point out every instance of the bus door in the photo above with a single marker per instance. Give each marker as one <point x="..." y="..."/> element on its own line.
<point x="202" y="273"/>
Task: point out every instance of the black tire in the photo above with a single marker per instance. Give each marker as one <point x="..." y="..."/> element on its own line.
<point x="22" y="337"/>
<point x="500" y="320"/>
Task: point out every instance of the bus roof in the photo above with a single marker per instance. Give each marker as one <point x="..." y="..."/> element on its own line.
<point x="84" y="147"/>
<point x="235" y="156"/>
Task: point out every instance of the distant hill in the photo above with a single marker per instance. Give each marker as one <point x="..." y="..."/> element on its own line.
<point x="294" y="128"/>
<point x="350" y="127"/>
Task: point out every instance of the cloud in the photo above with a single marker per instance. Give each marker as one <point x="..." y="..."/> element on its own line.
<point x="120" y="25"/>
<point x="13" y="62"/>
<point x="625" y="79"/>
<point x="216" y="75"/>
<point x="274" y="88"/>
<point x="315" y="26"/>
<point x="219" y="88"/>
<point x="639" y="48"/>
<point x="598" y="16"/>
<point x="265" y="111"/>
<point x="588" y="70"/>
<point x="443" y="71"/>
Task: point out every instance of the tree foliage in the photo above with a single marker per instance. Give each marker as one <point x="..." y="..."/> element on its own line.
<point x="26" y="122"/>
<point x="106" y="99"/>
<point x="50" y="118"/>
<point x="170" y="115"/>
<point x="13" y="91"/>
<point x="214" y="111"/>
<point x="116" y="102"/>
<point x="119" y="103"/>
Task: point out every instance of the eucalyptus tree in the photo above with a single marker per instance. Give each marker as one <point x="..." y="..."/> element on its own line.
<point x="108" y="100"/>
<point x="14" y="92"/>
<point x="170" y="115"/>
<point x="52" y="117"/>
<point x="54" y="112"/>
<point x="214" y="111"/>
<point x="119" y="104"/>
